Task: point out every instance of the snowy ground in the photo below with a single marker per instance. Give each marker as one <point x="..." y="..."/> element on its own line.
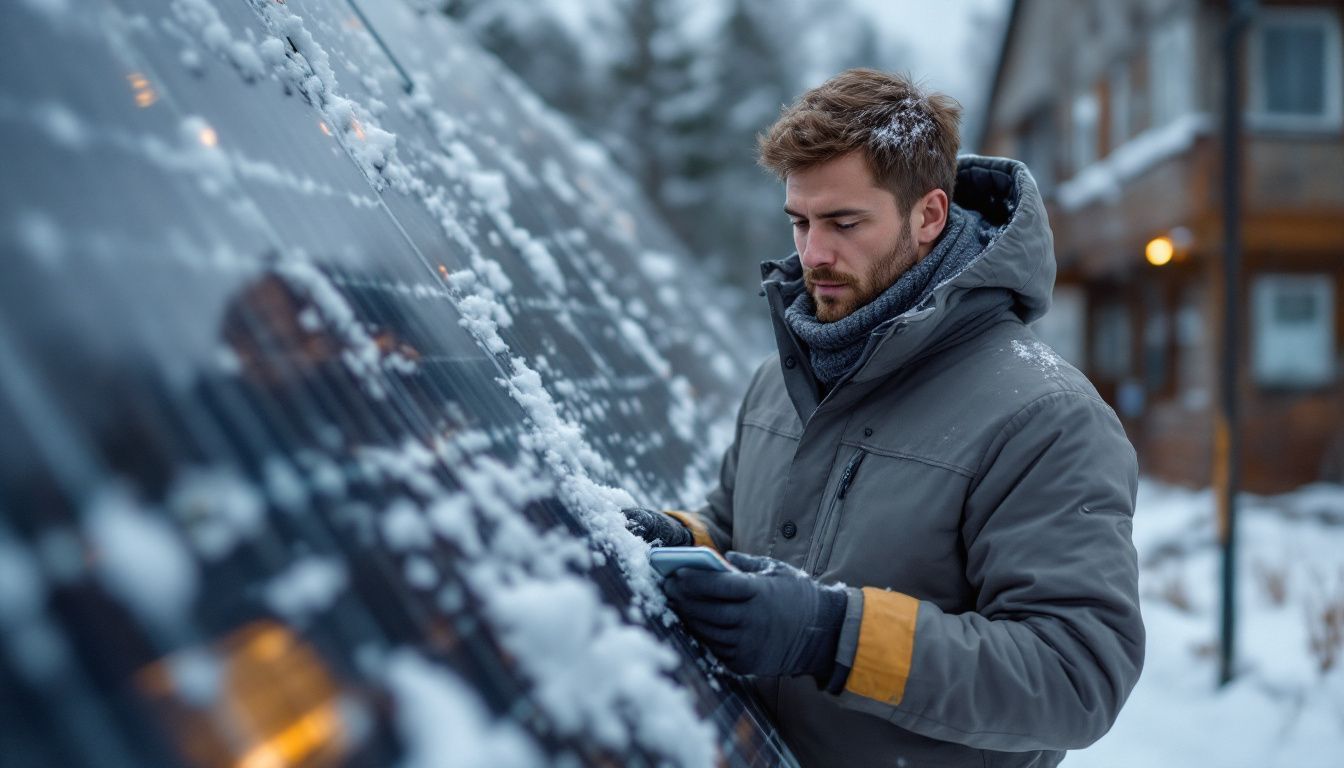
<point x="1283" y="709"/>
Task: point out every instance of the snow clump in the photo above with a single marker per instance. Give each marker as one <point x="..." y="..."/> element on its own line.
<point x="441" y="718"/>
<point x="140" y="559"/>
<point x="307" y="587"/>
<point x="567" y="640"/>
<point x="201" y="18"/>
<point x="37" y="650"/>
<point x="301" y="63"/>
<point x="218" y="508"/>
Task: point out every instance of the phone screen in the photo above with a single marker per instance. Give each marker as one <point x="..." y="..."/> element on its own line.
<point x="665" y="560"/>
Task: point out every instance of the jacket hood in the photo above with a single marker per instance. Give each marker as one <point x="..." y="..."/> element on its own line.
<point x="1015" y="267"/>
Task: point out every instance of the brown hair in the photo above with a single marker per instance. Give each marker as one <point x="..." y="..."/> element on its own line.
<point x="910" y="136"/>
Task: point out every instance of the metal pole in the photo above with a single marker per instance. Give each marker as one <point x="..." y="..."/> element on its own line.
<point x="1227" y="441"/>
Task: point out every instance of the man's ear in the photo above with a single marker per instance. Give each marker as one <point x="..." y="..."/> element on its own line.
<point x="928" y="217"/>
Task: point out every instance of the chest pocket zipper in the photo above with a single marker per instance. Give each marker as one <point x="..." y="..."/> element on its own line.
<point x="826" y="541"/>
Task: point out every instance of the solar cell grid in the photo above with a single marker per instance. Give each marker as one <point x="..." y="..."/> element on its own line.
<point x="256" y="466"/>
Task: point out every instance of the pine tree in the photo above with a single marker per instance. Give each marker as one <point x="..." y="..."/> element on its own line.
<point x="679" y="104"/>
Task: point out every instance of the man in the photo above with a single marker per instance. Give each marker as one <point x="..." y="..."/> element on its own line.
<point x="931" y="510"/>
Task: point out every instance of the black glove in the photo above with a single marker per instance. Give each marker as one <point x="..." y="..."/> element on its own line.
<point x="770" y="620"/>
<point x="657" y="528"/>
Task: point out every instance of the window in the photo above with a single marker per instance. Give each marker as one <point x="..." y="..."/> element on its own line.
<point x="1062" y="327"/>
<point x="1086" y="113"/>
<point x="1156" y="335"/>
<point x="1140" y="96"/>
<point x="1296" y="65"/>
<point x="1293" y="330"/>
<point x="1171" y="69"/>
<point x="1036" y="148"/>
<point x="1111" y="342"/>
<point x="1120" y="128"/>
<point x="1194" y="348"/>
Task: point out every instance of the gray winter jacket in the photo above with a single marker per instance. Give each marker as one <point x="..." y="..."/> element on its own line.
<point x="977" y="496"/>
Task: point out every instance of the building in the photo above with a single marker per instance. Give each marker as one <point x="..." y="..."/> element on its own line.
<point x="1115" y="108"/>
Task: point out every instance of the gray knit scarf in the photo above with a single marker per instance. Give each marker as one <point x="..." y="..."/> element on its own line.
<point x="836" y="347"/>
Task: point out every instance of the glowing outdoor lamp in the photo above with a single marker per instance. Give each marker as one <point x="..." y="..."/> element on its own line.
<point x="1159" y="251"/>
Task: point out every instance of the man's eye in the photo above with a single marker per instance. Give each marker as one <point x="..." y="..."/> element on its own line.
<point x="850" y="225"/>
<point x="799" y="223"/>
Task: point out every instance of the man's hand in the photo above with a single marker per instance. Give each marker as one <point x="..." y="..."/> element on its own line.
<point x="771" y="619"/>
<point x="657" y="528"/>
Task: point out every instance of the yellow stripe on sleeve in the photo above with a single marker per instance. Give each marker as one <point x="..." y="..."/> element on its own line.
<point x="886" y="646"/>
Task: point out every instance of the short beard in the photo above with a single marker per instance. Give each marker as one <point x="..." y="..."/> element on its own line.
<point x="884" y="272"/>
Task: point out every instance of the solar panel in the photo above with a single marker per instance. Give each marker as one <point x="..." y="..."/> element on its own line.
<point x="328" y="355"/>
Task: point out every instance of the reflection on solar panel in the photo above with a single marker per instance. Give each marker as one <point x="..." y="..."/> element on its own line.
<point x="327" y="358"/>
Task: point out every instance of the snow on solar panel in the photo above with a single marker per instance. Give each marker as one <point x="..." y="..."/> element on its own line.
<point x="328" y="355"/>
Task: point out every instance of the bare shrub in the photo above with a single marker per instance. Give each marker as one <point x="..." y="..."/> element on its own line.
<point x="1172" y="590"/>
<point x="1206" y="649"/>
<point x="1325" y="621"/>
<point x="1273" y="579"/>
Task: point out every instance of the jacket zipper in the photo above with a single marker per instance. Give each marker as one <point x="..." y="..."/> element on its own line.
<point x="846" y="480"/>
<point x="850" y="471"/>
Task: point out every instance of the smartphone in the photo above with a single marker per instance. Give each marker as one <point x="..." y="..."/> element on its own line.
<point x="665" y="560"/>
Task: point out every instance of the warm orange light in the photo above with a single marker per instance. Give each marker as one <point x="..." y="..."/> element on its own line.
<point x="358" y="129"/>
<point x="269" y="642"/>
<point x="296" y="743"/>
<point x="208" y="136"/>
<point x="443" y="270"/>
<point x="1159" y="251"/>
<point x="277" y="705"/>
<point x="322" y="124"/>
<point x="144" y="92"/>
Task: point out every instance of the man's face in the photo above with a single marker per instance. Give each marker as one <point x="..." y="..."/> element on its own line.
<point x="849" y="232"/>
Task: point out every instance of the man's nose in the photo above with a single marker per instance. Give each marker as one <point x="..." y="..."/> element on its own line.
<point x="816" y="251"/>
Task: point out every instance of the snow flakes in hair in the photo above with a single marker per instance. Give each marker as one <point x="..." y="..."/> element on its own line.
<point x="905" y="127"/>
